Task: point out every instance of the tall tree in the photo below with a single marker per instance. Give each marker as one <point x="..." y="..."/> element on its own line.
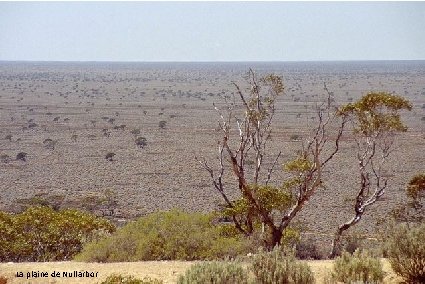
<point x="252" y="113"/>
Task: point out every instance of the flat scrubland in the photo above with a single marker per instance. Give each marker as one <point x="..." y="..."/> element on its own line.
<point x="68" y="116"/>
<point x="168" y="271"/>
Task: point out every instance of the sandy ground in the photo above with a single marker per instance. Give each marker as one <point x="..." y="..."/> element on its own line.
<point x="89" y="110"/>
<point x="168" y="271"/>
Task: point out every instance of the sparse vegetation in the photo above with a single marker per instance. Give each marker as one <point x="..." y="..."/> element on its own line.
<point x="163" y="175"/>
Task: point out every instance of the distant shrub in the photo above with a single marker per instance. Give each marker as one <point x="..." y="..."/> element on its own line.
<point x="5" y="158"/>
<point x="43" y="234"/>
<point x="42" y="199"/>
<point x="280" y="266"/>
<point x="21" y="156"/>
<point x="295" y="137"/>
<point x="214" y="272"/>
<point x="172" y="235"/>
<point x="405" y="249"/>
<point x="110" y="156"/>
<point x="49" y="144"/>
<point x="162" y="124"/>
<point x="122" y="127"/>
<point x="135" y="132"/>
<point x="119" y="279"/>
<point x="359" y="267"/>
<point x="141" y="142"/>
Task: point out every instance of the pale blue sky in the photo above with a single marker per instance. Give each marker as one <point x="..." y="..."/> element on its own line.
<point x="212" y="31"/>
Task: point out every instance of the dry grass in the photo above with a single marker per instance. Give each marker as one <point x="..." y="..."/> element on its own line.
<point x="165" y="270"/>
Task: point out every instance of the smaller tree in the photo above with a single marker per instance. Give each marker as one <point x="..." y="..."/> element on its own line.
<point x="375" y="121"/>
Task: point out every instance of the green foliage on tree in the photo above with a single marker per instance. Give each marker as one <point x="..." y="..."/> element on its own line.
<point x="43" y="234"/>
<point x="377" y="112"/>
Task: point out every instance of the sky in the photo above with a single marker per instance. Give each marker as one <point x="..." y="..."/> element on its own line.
<point x="212" y="31"/>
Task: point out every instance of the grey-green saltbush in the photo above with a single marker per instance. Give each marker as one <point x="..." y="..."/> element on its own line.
<point x="358" y="267"/>
<point x="214" y="273"/>
<point x="280" y="266"/>
<point x="405" y="249"/>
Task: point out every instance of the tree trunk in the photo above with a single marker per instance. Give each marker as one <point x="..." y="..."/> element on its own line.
<point x="336" y="243"/>
<point x="274" y="238"/>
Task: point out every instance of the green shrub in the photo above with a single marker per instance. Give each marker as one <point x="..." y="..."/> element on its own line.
<point x="165" y="236"/>
<point x="43" y="234"/>
<point x="278" y="266"/>
<point x="119" y="279"/>
<point x="405" y="249"/>
<point x="357" y="267"/>
<point x="214" y="273"/>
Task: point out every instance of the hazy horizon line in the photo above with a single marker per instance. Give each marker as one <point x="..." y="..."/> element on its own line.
<point x="201" y="61"/>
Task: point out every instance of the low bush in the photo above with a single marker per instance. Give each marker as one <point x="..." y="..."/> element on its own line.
<point x="120" y="279"/>
<point x="214" y="273"/>
<point x="43" y="234"/>
<point x="405" y="249"/>
<point x="357" y="267"/>
<point x="172" y="235"/>
<point x="280" y="266"/>
<point x="3" y="280"/>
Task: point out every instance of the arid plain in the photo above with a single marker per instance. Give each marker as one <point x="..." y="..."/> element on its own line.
<point x="68" y="116"/>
